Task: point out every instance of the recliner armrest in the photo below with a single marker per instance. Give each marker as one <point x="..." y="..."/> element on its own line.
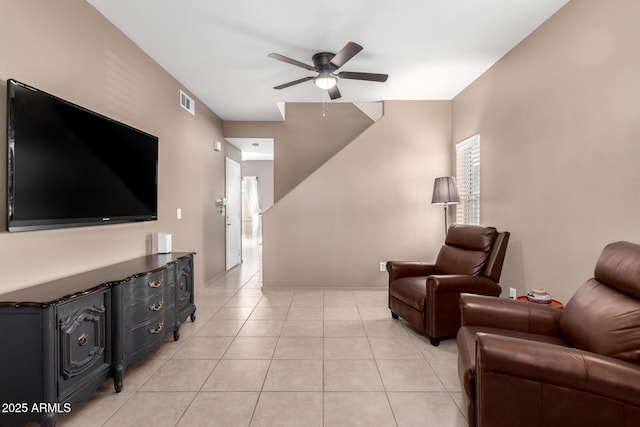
<point x="400" y="269"/>
<point x="563" y="367"/>
<point x="442" y="301"/>
<point x="478" y="310"/>
<point x="460" y="283"/>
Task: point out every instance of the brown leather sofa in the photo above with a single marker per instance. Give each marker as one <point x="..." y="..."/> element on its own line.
<point x="426" y="295"/>
<point x="525" y="364"/>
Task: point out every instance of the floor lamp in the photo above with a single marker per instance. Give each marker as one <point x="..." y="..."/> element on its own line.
<point x="445" y="192"/>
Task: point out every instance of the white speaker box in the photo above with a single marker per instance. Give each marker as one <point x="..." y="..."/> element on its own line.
<point x="164" y="243"/>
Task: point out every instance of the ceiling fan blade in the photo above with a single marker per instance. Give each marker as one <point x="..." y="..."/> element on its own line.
<point x="295" y="82"/>
<point x="334" y="93"/>
<point x="291" y="61"/>
<point x="373" y="77"/>
<point x="346" y="53"/>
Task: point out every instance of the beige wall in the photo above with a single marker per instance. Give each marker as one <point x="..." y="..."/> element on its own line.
<point x="305" y="140"/>
<point x="368" y="203"/>
<point x="232" y="152"/>
<point x="68" y="49"/>
<point x="559" y="121"/>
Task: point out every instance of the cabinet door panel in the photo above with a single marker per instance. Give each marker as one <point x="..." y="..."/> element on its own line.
<point x="184" y="283"/>
<point x="83" y="328"/>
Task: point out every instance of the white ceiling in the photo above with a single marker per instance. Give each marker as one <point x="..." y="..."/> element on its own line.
<point x="431" y="49"/>
<point x="254" y="148"/>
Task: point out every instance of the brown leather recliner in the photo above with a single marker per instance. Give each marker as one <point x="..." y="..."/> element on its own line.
<point x="525" y="364"/>
<point x="426" y="295"/>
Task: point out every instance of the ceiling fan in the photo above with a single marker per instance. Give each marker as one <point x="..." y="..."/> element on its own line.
<point x="326" y="64"/>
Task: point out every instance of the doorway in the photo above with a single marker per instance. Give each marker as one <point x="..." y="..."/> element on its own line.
<point x="257" y="162"/>
<point x="251" y="211"/>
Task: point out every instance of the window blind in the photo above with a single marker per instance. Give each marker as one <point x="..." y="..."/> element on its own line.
<point x="468" y="178"/>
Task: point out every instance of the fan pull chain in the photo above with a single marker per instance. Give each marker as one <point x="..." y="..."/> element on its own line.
<point x="325" y="105"/>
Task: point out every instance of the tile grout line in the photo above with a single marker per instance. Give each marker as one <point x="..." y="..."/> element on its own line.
<point x="377" y="332"/>
<point x="264" y="380"/>
<point x="222" y="355"/>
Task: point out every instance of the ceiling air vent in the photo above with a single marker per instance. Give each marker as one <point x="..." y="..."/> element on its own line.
<point x="187" y="103"/>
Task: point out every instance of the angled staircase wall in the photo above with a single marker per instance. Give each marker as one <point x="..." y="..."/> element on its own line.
<point x="334" y="227"/>
<point x="305" y="140"/>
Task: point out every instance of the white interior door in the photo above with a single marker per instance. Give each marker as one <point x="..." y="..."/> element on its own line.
<point x="233" y="213"/>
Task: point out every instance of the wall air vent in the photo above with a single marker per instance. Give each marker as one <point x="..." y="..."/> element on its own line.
<point x="187" y="103"/>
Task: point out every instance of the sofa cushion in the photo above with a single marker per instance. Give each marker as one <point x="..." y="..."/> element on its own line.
<point x="410" y="290"/>
<point x="472" y="237"/>
<point x="601" y="320"/>
<point x="465" y="250"/>
<point x="619" y="267"/>
<point x="454" y="260"/>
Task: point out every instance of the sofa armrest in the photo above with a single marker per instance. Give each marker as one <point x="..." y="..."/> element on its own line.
<point x="461" y="283"/>
<point x="517" y="378"/>
<point x="478" y="310"/>
<point x="400" y="269"/>
<point x="442" y="305"/>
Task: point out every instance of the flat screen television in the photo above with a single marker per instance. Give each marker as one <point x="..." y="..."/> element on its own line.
<point x="70" y="167"/>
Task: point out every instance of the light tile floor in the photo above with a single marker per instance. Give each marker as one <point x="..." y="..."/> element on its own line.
<point x="257" y="357"/>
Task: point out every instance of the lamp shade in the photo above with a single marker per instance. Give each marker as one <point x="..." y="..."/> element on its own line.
<point x="445" y="190"/>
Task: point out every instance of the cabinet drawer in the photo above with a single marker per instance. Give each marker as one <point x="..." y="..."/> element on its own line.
<point x="144" y="338"/>
<point x="145" y="286"/>
<point x="83" y="328"/>
<point x="144" y="310"/>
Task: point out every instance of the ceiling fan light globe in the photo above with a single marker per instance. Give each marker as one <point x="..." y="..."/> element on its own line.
<point x="325" y="82"/>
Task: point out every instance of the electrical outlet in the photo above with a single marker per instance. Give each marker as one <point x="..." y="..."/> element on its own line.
<point x="512" y="293"/>
<point x="383" y="266"/>
<point x="178" y="213"/>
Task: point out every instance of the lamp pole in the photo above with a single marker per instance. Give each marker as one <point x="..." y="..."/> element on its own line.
<point x="446" y="219"/>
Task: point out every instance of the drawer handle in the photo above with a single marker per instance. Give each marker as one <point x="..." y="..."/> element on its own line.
<point x="156" y="307"/>
<point x="154" y="284"/>
<point x="181" y="286"/>
<point x="83" y="339"/>
<point x="157" y="329"/>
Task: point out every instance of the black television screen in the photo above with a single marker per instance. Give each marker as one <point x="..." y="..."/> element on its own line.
<point x="70" y="167"/>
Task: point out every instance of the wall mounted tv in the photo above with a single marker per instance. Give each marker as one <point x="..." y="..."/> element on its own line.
<point x="71" y="167"/>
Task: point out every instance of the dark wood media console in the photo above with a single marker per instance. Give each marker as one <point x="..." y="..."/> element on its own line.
<point x="59" y="341"/>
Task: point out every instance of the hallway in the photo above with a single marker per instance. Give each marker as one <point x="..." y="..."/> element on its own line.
<point x="285" y="358"/>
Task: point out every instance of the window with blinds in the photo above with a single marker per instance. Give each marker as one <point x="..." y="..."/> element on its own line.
<point x="468" y="177"/>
